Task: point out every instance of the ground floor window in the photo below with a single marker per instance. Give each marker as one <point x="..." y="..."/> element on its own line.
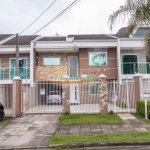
<point x="94" y="89"/>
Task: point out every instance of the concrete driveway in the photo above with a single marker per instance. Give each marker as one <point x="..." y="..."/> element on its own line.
<point x="29" y="131"/>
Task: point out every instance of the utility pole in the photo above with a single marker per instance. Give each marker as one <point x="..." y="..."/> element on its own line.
<point x="17" y="55"/>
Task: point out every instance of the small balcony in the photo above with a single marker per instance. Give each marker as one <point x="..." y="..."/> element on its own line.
<point x="10" y="73"/>
<point x="132" y="68"/>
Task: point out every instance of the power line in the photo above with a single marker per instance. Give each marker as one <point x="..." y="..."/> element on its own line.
<point x="38" y="17"/>
<point x="59" y="15"/>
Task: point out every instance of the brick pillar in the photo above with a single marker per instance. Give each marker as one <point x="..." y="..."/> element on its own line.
<point x="138" y="88"/>
<point x="66" y="97"/>
<point x="16" y="97"/>
<point x="103" y="94"/>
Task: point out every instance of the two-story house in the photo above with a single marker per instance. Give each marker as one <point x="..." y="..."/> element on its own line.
<point x="47" y="59"/>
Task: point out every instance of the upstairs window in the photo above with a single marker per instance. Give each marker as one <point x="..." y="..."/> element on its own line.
<point x="51" y="61"/>
<point x="142" y="32"/>
<point x="97" y="58"/>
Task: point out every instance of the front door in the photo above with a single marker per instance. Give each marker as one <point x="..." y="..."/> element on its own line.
<point x="74" y="94"/>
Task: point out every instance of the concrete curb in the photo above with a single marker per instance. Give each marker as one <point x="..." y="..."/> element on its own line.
<point x="107" y="144"/>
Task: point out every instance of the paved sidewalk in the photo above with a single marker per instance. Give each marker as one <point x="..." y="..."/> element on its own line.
<point x="131" y="125"/>
<point x="29" y="131"/>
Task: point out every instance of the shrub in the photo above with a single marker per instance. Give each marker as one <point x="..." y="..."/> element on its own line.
<point x="111" y="112"/>
<point x="141" y="107"/>
<point x="66" y="113"/>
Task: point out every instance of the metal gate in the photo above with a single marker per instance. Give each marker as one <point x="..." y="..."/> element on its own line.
<point x="85" y="97"/>
<point x="121" y="97"/>
<point x="42" y="97"/>
<point x="6" y="98"/>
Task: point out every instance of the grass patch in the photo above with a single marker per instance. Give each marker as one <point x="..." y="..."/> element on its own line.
<point x="88" y="138"/>
<point x="141" y="117"/>
<point x="90" y="119"/>
<point x="3" y="123"/>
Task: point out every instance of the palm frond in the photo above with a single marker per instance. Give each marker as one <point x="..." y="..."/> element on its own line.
<point x="147" y="44"/>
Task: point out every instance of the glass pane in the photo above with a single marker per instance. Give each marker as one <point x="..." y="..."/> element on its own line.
<point x="94" y="88"/>
<point x="142" y="32"/>
<point x="130" y="64"/>
<point x="23" y="68"/>
<point x="52" y="61"/>
<point x="13" y="68"/>
<point x="97" y="59"/>
<point x="73" y="66"/>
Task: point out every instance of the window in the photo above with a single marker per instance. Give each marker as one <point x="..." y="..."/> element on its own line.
<point x="97" y="59"/>
<point x="22" y="68"/>
<point x="129" y="64"/>
<point x="142" y="32"/>
<point x="94" y="88"/>
<point x="52" y="61"/>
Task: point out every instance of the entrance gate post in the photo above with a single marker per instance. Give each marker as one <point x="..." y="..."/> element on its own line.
<point x="16" y="97"/>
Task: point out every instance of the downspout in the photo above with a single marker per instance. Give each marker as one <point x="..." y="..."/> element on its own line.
<point x="118" y="56"/>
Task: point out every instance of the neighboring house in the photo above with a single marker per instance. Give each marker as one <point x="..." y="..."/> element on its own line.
<point x="8" y="58"/>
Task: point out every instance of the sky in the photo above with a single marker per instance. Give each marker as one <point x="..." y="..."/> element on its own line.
<point x="87" y="17"/>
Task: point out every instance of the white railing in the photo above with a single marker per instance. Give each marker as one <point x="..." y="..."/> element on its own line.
<point x="133" y="67"/>
<point x="10" y="73"/>
<point x="121" y="98"/>
<point x="6" y="98"/>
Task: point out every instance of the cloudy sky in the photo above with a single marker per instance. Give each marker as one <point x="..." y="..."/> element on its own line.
<point x="87" y="17"/>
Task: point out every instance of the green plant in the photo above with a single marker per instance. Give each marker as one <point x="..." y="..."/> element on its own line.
<point x="66" y="113"/>
<point x="141" y="107"/>
<point x="111" y="112"/>
<point x="121" y="104"/>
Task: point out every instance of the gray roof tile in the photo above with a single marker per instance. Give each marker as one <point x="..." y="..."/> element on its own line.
<point x="23" y="40"/>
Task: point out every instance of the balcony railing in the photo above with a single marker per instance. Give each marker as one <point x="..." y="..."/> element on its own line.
<point x="10" y="73"/>
<point x="132" y="68"/>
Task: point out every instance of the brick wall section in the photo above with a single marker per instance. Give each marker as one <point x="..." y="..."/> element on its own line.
<point x="47" y="73"/>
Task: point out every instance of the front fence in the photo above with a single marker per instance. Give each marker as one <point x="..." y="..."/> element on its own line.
<point x="121" y="97"/>
<point x="42" y="97"/>
<point x="6" y="97"/>
<point x="84" y="97"/>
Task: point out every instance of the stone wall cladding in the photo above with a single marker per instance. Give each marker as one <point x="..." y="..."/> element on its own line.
<point x="47" y="73"/>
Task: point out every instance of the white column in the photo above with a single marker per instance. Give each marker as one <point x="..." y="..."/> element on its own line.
<point x="32" y="62"/>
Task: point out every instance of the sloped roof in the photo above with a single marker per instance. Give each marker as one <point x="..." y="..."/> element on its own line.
<point x="123" y="33"/>
<point x="23" y="40"/>
<point x="52" y="38"/>
<point x="91" y="37"/>
<point x="4" y="36"/>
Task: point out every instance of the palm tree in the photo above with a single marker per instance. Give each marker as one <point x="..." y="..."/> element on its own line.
<point x="138" y="14"/>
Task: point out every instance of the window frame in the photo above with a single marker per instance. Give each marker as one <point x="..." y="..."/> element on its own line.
<point x="90" y="88"/>
<point x="52" y="57"/>
<point x="122" y="60"/>
<point x="98" y="53"/>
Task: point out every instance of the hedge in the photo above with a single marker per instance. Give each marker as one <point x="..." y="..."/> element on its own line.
<point x="141" y="107"/>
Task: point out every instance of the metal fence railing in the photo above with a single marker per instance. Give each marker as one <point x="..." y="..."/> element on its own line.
<point x="86" y="99"/>
<point x="6" y="98"/>
<point x="42" y="97"/>
<point x="121" y="97"/>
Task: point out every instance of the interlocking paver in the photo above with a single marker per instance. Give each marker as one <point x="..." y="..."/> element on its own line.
<point x="22" y="131"/>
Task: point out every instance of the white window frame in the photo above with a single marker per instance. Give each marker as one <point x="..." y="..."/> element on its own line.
<point x="98" y="53"/>
<point x="19" y="59"/>
<point x="90" y="88"/>
<point x="122" y="61"/>
<point x="77" y="64"/>
<point x="52" y="57"/>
